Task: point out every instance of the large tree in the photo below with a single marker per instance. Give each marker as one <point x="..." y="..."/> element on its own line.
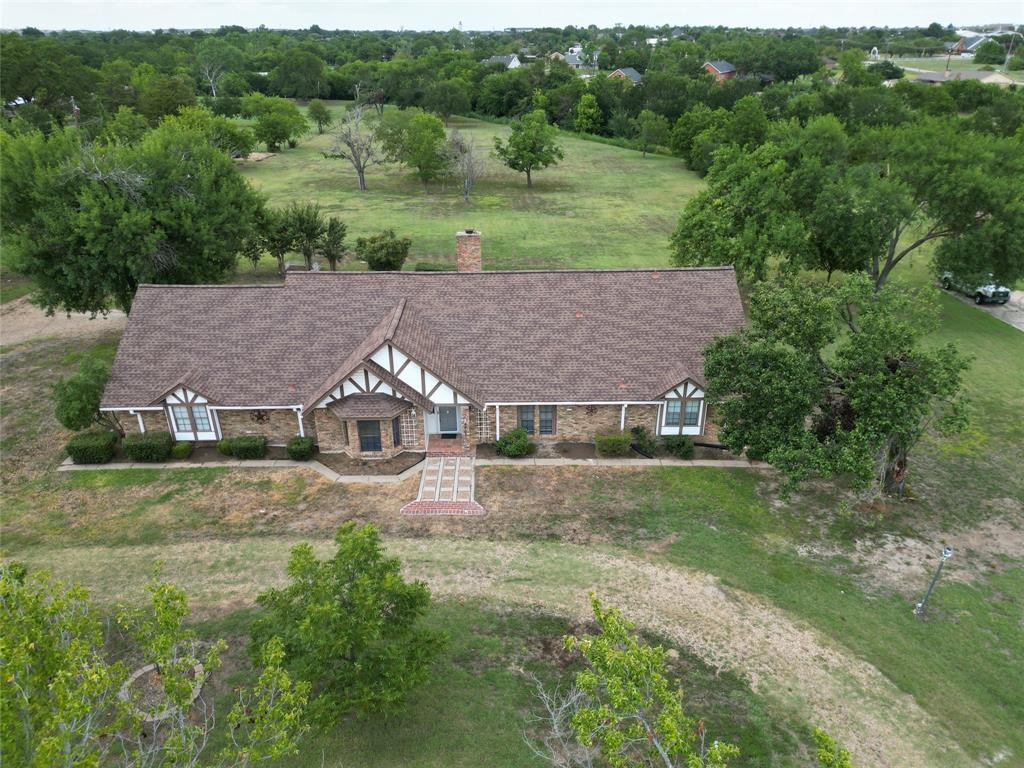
<point x="532" y="145"/>
<point x="355" y="140"/>
<point x="351" y="626"/>
<point x="815" y="197"/>
<point x="417" y="139"/>
<point x="215" y="57"/>
<point x="89" y="223"/>
<point x="447" y="98"/>
<point x="835" y="380"/>
<point x="300" y="75"/>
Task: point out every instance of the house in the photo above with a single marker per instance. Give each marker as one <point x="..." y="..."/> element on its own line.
<point x="721" y="69"/>
<point x="374" y="363"/>
<point x="509" y="60"/>
<point x="627" y="73"/>
<point x="984" y="76"/>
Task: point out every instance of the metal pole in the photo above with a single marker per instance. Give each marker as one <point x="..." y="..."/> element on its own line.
<point x="947" y="552"/>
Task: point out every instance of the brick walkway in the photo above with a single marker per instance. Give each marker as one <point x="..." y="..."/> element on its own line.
<point x="446" y="488"/>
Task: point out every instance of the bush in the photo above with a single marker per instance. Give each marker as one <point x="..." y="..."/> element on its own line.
<point x="613" y="445"/>
<point x="249" y="447"/>
<point x="515" y="443"/>
<point x="149" y="446"/>
<point x="644" y="441"/>
<point x="92" y="447"/>
<point x="680" y="446"/>
<point x="181" y="450"/>
<point x="300" y="448"/>
<point x="383" y="252"/>
<point x="432" y="266"/>
<point x="224" y="447"/>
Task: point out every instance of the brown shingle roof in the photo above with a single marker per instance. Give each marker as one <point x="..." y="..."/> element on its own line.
<point x="372" y="406"/>
<point x="562" y="336"/>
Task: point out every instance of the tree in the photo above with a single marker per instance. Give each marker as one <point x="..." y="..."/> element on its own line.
<point x="319" y="114"/>
<point x="587" y="118"/>
<point x="126" y="126"/>
<point x="281" y="123"/>
<point x="165" y="95"/>
<point x="651" y="131"/>
<point x="833" y="380"/>
<point x="355" y="140"/>
<point x="77" y="398"/>
<point x="532" y="145"/>
<point x="624" y="707"/>
<point x="278" y="236"/>
<point x="467" y="161"/>
<point x="419" y="143"/>
<point x="447" y="98"/>
<point x="95" y="221"/>
<point x="215" y="57"/>
<point x="332" y="246"/>
<point x="830" y="754"/>
<point x="61" y="685"/>
<point x="300" y="75"/>
<point x="350" y="626"/>
<point x="990" y="52"/>
<point x="221" y="132"/>
<point x="307" y="225"/>
<point x="383" y="252"/>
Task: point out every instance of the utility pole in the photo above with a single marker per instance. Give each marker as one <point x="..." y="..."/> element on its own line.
<point x="947" y="552"/>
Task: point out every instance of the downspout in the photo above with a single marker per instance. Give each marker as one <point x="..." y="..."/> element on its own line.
<point x="497" y="422"/>
<point x="302" y="428"/>
<point x="622" y="419"/>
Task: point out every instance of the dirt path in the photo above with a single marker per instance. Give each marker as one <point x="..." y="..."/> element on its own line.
<point x="21" y="321"/>
<point x="800" y="671"/>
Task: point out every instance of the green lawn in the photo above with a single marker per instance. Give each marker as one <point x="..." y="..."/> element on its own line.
<point x="939" y="63"/>
<point x="602" y="206"/>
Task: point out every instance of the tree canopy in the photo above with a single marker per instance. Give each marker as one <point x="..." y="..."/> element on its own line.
<point x="532" y="145"/>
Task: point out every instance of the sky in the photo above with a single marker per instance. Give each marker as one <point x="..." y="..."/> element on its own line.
<point x="492" y="14"/>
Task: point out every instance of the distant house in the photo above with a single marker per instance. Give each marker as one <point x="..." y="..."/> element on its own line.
<point x="556" y="56"/>
<point x="721" y="69"/>
<point x="989" y="78"/>
<point x="968" y="44"/>
<point x="627" y="73"/>
<point x="510" y="60"/>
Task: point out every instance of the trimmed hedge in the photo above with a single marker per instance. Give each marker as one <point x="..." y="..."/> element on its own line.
<point x="181" y="450"/>
<point x="515" y="443"/>
<point x="92" y="447"/>
<point x="432" y="266"/>
<point x="613" y="445"/>
<point x="249" y="447"/>
<point x="224" y="447"/>
<point x="680" y="446"/>
<point x="148" y="446"/>
<point x="300" y="448"/>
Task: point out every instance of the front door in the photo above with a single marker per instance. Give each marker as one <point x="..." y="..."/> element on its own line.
<point x="447" y="419"/>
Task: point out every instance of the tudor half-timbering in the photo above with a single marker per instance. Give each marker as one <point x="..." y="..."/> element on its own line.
<point x="372" y="364"/>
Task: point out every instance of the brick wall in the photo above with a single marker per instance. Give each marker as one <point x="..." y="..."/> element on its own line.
<point x="277" y="425"/>
<point x="155" y="421"/>
<point x="330" y="432"/>
<point x="574" y="423"/>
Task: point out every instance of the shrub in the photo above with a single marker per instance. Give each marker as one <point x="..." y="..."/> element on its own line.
<point x="613" y="445"/>
<point x="181" y="450"/>
<point x="300" y="448"/>
<point x="383" y="252"/>
<point x="149" y="446"/>
<point x="644" y="441"/>
<point x="92" y="447"/>
<point x="515" y="443"/>
<point x="249" y="447"/>
<point x="680" y="446"/>
<point x="432" y="266"/>
<point x="224" y="447"/>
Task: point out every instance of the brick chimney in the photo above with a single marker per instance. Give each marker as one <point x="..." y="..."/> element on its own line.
<point x="467" y="250"/>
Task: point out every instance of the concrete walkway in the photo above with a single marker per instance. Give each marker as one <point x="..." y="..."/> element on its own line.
<point x="446" y="488"/>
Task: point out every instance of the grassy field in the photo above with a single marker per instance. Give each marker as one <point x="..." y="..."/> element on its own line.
<point x="955" y="63"/>
<point x="785" y="613"/>
<point x="601" y="206"/>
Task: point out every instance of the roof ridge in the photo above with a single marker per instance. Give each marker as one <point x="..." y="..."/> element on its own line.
<point x="493" y="272"/>
<point x="396" y="318"/>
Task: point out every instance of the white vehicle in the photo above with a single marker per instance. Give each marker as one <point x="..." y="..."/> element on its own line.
<point x="988" y="292"/>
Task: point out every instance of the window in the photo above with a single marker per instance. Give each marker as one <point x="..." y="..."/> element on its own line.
<point x="181" y="422"/>
<point x="526" y="418"/>
<point x="369" y="436"/>
<point x="691" y="417"/>
<point x="547" y="419"/>
<point x="396" y="431"/>
<point x="201" y="418"/>
<point x="672" y="408"/>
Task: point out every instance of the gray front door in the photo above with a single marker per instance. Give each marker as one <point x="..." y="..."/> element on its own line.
<point x="447" y="418"/>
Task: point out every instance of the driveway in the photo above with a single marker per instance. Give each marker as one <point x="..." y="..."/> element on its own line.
<point x="1012" y="312"/>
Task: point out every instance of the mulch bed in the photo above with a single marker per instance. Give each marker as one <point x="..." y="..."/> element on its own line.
<point x="346" y="465"/>
<point x="548" y="450"/>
